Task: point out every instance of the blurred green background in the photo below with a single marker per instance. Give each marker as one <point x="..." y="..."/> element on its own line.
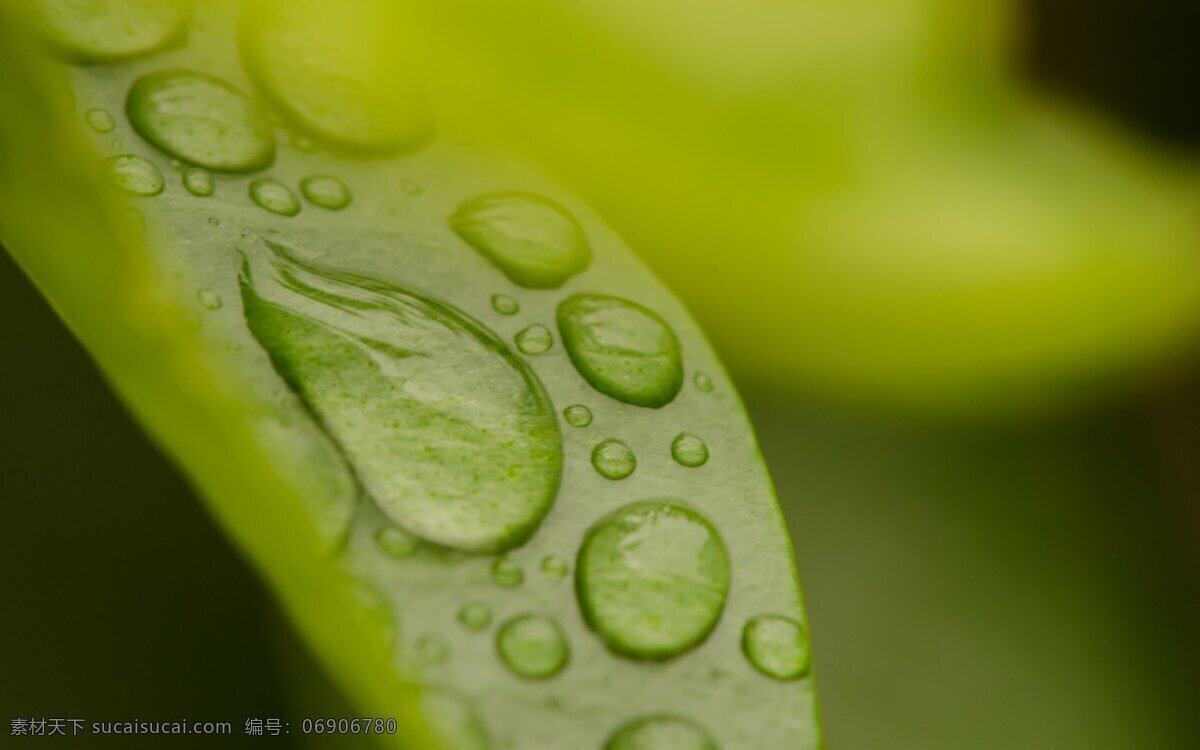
<point x="1032" y="583"/>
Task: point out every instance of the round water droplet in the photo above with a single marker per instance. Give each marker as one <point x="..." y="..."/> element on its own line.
<point x="703" y="382"/>
<point x="395" y="542"/>
<point x="613" y="459"/>
<point x="652" y="578"/>
<point x="209" y="299"/>
<point x="533" y="646"/>
<point x="661" y="732"/>
<point x="505" y="305"/>
<point x="201" y="120"/>
<point x="337" y="73"/>
<point x="135" y="175"/>
<point x="577" y="415"/>
<point x="689" y="450"/>
<point x="507" y="574"/>
<point x="213" y="221"/>
<point x="777" y="646"/>
<point x="555" y="566"/>
<point x="535" y="339"/>
<point x="532" y="239"/>
<point x="109" y="30"/>
<point x="100" y="120"/>
<point x="275" y="197"/>
<point x="431" y="649"/>
<point x="326" y="192"/>
<point x="199" y="182"/>
<point x="410" y="187"/>
<point x="475" y="616"/>
<point x="622" y="349"/>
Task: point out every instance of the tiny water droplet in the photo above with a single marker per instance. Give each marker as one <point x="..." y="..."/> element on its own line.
<point x="555" y="566"/>
<point x="326" y="192"/>
<point x="777" y="646"/>
<point x="475" y="616"/>
<point x="661" y="732"/>
<point x="613" y="459"/>
<point x="621" y="348"/>
<point x="135" y="175"/>
<point x="214" y="221"/>
<point x="396" y="543"/>
<point x="534" y="241"/>
<point x="431" y="649"/>
<point x="652" y="579"/>
<point x="410" y="187"/>
<point x="199" y="182"/>
<point x="535" y="339"/>
<point x="100" y="120"/>
<point x="275" y="197"/>
<point x="533" y="646"/>
<point x="689" y="450"/>
<point x="507" y="574"/>
<point x="209" y="299"/>
<point x="505" y="305"/>
<point x="703" y="382"/>
<point x="577" y="415"/>
<point x="91" y="32"/>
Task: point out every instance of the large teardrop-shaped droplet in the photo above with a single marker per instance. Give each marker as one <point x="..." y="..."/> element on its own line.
<point x="97" y="31"/>
<point x="661" y="732"/>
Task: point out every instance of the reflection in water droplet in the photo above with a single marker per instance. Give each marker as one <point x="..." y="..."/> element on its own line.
<point x="577" y="415"/>
<point x="703" y="382"/>
<point x="613" y="459"/>
<point x="662" y="732"/>
<point x="777" y="646"/>
<point x="533" y="646"/>
<point x="689" y="450"/>
<point x="100" y="120"/>
<point x="505" y="305"/>
<point x="431" y="649"/>
<point x="326" y="192"/>
<point x="621" y="348"/>
<point x="410" y="187"/>
<point x="652" y="578"/>
<point x="201" y="120"/>
<point x="475" y="616"/>
<point x="535" y="339"/>
<point x="532" y="239"/>
<point x="209" y="299"/>
<point x="555" y="566"/>
<point x="275" y="197"/>
<point x="507" y="574"/>
<point x="109" y="30"/>
<point x="395" y="542"/>
<point x="199" y="182"/>
<point x="135" y="175"/>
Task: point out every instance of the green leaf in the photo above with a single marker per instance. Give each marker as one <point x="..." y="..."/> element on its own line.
<point x="373" y="405"/>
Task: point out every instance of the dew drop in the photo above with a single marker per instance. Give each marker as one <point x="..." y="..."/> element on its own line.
<point x="213" y="221"/>
<point x="652" y="578"/>
<point x="505" y="305"/>
<point x="209" y="299"/>
<point x="475" y="616"/>
<point x="199" y="182"/>
<point x="533" y="646"/>
<point x="396" y="543"/>
<point x="613" y="459"/>
<point x="134" y="174"/>
<point x="431" y="650"/>
<point x="410" y="187"/>
<point x="100" y="120"/>
<point x="275" y="197"/>
<point x="532" y="239"/>
<point x="777" y="646"/>
<point x="535" y="339"/>
<point x="577" y="415"/>
<point x="689" y="450"/>
<point x="703" y="382"/>
<point x="109" y="30"/>
<point x="201" y="120"/>
<point x="507" y="574"/>
<point x="661" y="732"/>
<point x="326" y="192"/>
<point x="555" y="566"/>
<point x="621" y="348"/>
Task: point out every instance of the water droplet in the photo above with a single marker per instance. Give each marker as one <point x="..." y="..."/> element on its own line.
<point x="209" y="299"/>
<point x="410" y="187"/>
<point x="555" y="566"/>
<point x="201" y="120"/>
<point x="214" y="221"/>
<point x="703" y="382"/>
<point x="622" y="349"/>
<point x="100" y="120"/>
<point x="613" y="459"/>
<point x="396" y="543"/>
<point x="336" y="72"/>
<point x="449" y="431"/>
<point x="777" y="646"/>
<point x="431" y="649"/>
<point x="326" y="192"/>
<point x="662" y="732"/>
<point x="475" y="616"/>
<point x="135" y="175"/>
<point x="577" y="415"/>
<point x="689" y="450"/>
<point x="199" y="182"/>
<point x="533" y="646"/>
<point x="275" y="197"/>
<point x="453" y="720"/>
<point x="532" y="239"/>
<point x="108" y="31"/>
<point x="652" y="578"/>
<point x="507" y="574"/>
<point x="535" y="339"/>
<point x="505" y="305"/>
